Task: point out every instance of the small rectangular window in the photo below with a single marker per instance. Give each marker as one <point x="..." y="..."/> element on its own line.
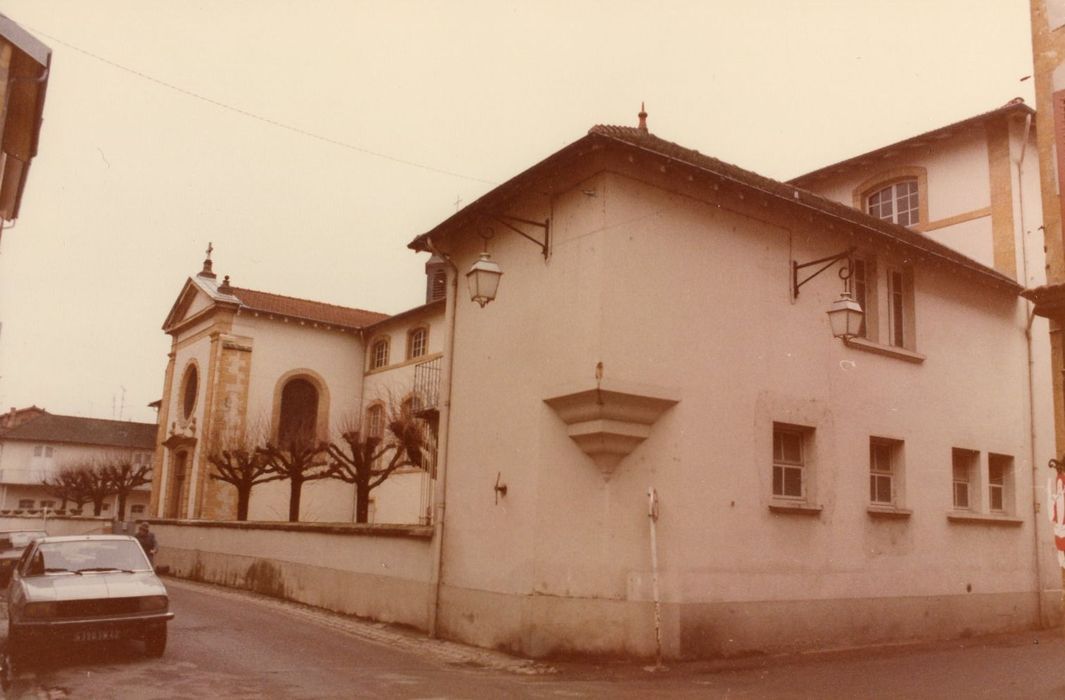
<point x="136" y="510"/>
<point x="789" y="463"/>
<point x="47" y="504"/>
<point x="38" y="450"/>
<point x="25" y="503"/>
<point x="964" y="466"/>
<point x="1000" y="483"/>
<point x="882" y="471"/>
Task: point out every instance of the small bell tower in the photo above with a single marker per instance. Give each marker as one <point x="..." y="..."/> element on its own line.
<point x="435" y="279"/>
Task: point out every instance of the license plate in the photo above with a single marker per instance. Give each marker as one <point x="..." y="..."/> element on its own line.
<point x="96" y="635"/>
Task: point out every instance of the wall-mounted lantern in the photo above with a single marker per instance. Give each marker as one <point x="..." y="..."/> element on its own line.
<point x="483" y="276"/>
<point x="845" y="317"/>
<point x="845" y="314"/>
<point x="483" y="279"/>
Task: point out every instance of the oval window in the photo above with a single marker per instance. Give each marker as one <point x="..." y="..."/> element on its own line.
<point x="191" y="385"/>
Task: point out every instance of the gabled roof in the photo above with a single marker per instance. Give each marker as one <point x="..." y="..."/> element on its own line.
<point x="640" y="140"/>
<point x="49" y="428"/>
<point x="925" y="140"/>
<point x="304" y="309"/>
<point x="266" y="303"/>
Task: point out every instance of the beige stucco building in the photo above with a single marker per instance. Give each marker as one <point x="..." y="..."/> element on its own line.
<point x="235" y="354"/>
<point x="660" y="324"/>
<point x="35" y="445"/>
<point x="812" y="491"/>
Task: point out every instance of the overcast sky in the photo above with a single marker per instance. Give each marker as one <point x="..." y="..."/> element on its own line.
<point x="310" y="141"/>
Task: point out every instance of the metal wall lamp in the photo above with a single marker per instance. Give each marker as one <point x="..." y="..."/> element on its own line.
<point x="546" y="226"/>
<point x="845" y="314"/>
<point x="483" y="276"/>
<point x="795" y="267"/>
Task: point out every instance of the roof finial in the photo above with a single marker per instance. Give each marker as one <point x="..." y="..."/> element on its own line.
<point x="643" y="119"/>
<point x="224" y="288"/>
<point x="207" y="264"/>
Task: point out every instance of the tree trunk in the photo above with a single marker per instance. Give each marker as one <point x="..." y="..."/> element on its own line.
<point x="121" y="507"/>
<point x="362" y="503"/>
<point x="243" y="498"/>
<point x="97" y="506"/>
<point x="294" y="500"/>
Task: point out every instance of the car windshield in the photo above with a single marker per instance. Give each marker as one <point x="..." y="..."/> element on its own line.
<point x="91" y="555"/>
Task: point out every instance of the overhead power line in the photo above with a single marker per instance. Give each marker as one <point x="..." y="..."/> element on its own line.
<point x="259" y="117"/>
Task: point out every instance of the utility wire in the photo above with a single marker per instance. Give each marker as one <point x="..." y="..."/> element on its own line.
<point x="260" y="118"/>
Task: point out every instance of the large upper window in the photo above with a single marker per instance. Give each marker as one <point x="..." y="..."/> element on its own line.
<point x="299" y="412"/>
<point x="898" y="202"/>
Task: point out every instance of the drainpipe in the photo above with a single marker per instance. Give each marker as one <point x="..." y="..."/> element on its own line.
<point x="444" y="441"/>
<point x="1031" y="371"/>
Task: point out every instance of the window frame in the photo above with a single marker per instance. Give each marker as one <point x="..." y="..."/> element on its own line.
<point x="891" y="196"/>
<point x="413" y="351"/>
<point x="890" y="178"/>
<point x="379" y="360"/>
<point x="783" y="465"/>
<point x="969" y="461"/>
<point x="890" y="450"/>
<point x="1003" y="487"/>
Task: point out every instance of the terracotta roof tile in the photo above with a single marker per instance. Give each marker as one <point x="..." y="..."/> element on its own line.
<point x="789" y="195"/>
<point x="84" y="431"/>
<point x="797" y="195"/>
<point x="304" y="309"/>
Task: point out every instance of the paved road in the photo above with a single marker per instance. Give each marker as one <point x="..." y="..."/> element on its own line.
<point x="231" y="645"/>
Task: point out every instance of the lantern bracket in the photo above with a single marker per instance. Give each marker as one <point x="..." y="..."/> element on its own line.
<point x="844" y="273"/>
<point x="545" y="225"/>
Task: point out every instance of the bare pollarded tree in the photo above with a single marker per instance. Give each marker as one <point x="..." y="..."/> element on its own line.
<point x="68" y="485"/>
<point x="370" y="450"/>
<point x="240" y="459"/>
<point x="123" y="476"/>
<point x="299" y="459"/>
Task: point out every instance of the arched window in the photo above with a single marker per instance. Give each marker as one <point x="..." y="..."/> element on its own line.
<point x="417" y="342"/>
<point x="190" y="384"/>
<point x="898" y="202"/>
<point x="299" y="412"/>
<point x="375" y="420"/>
<point x="411" y="406"/>
<point x="379" y="353"/>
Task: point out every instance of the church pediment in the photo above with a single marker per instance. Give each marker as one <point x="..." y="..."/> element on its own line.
<point x="197" y="298"/>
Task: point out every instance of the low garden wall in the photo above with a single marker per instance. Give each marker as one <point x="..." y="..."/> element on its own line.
<point x="375" y="571"/>
<point x="60" y="524"/>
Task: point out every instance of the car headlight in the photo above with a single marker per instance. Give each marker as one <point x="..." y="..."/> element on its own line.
<point x="39" y="611"/>
<point x="153" y="603"/>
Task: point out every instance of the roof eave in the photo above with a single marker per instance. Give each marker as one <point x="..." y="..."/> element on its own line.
<point x="1019" y="107"/>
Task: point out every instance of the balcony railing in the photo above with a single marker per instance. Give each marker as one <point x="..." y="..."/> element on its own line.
<point x="427" y="384"/>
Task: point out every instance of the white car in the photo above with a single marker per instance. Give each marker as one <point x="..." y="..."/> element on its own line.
<point x="86" y="588"/>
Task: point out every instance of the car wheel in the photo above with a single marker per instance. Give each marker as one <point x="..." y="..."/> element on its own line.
<point x="155" y="642"/>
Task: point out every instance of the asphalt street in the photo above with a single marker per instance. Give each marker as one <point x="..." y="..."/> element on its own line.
<point x="230" y="644"/>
